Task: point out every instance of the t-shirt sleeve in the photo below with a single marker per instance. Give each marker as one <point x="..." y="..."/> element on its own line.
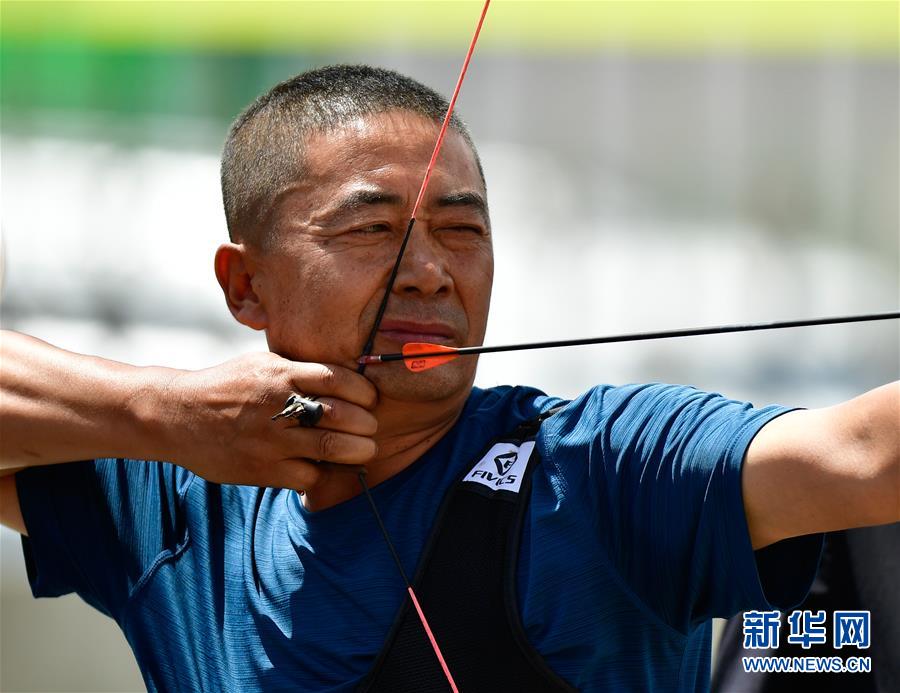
<point x="659" y="467"/>
<point x="96" y="527"/>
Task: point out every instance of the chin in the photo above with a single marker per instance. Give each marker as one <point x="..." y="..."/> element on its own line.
<point x="395" y="382"/>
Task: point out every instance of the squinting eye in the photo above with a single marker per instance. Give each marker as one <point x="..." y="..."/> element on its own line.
<point x="465" y="229"/>
<point x="373" y="229"/>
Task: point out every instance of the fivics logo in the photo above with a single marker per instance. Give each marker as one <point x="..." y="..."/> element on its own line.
<point x="505" y="461"/>
<point x="502" y="466"/>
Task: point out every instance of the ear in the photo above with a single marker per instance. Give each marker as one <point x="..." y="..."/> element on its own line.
<point x="235" y="270"/>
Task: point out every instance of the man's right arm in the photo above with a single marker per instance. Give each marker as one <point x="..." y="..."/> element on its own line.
<point x="57" y="406"/>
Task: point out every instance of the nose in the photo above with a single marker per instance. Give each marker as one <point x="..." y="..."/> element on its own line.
<point x="424" y="270"/>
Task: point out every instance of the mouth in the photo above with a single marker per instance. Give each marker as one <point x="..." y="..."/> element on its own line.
<point x="403" y="332"/>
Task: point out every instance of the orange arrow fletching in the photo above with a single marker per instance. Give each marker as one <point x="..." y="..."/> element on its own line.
<point x="416" y="363"/>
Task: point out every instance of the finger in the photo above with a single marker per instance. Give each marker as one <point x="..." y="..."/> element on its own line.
<point x="299" y="474"/>
<point x="336" y="381"/>
<point x="346" y="417"/>
<point x="333" y="446"/>
<point x="327" y="467"/>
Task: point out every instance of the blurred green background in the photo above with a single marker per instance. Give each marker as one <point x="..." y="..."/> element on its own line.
<point x="208" y="59"/>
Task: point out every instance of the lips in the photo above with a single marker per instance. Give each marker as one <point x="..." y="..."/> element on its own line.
<point x="404" y="331"/>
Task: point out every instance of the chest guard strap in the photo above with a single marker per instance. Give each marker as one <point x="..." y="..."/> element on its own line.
<point x="466" y="584"/>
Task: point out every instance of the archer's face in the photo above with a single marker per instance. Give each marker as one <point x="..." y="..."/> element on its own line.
<point x="337" y="234"/>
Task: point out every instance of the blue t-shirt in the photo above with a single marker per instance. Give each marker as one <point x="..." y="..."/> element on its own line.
<point x="635" y="537"/>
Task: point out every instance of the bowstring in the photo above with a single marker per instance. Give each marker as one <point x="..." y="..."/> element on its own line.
<point x="370" y="342"/>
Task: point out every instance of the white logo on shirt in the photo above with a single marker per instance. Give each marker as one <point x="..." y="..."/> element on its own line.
<point x="502" y="467"/>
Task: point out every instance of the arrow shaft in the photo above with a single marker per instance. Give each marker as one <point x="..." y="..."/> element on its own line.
<point x="644" y="336"/>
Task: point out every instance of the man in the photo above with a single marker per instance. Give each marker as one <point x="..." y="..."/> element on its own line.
<point x="632" y="524"/>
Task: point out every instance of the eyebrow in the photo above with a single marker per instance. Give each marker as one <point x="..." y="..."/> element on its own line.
<point x="364" y="198"/>
<point x="359" y="199"/>
<point x="465" y="199"/>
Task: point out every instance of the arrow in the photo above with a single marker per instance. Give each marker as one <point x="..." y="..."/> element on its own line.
<point x="422" y="356"/>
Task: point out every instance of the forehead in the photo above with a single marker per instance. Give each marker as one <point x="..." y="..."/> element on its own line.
<point x="389" y="149"/>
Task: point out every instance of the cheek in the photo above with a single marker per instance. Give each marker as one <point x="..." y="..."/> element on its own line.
<point x="301" y="290"/>
<point x="322" y="299"/>
<point x="475" y="287"/>
<point x="308" y="284"/>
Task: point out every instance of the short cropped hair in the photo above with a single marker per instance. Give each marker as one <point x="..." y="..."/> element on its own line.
<point x="264" y="151"/>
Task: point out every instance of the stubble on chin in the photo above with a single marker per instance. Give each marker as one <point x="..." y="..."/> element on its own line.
<point x="396" y="383"/>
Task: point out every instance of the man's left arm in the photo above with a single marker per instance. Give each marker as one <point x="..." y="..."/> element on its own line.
<point x="825" y="469"/>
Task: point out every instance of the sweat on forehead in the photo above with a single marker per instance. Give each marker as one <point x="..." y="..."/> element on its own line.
<point x="264" y="150"/>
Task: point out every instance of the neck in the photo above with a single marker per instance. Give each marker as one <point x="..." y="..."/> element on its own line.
<point x="406" y="431"/>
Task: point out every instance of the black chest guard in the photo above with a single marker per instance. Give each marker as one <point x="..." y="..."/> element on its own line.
<point x="466" y="585"/>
